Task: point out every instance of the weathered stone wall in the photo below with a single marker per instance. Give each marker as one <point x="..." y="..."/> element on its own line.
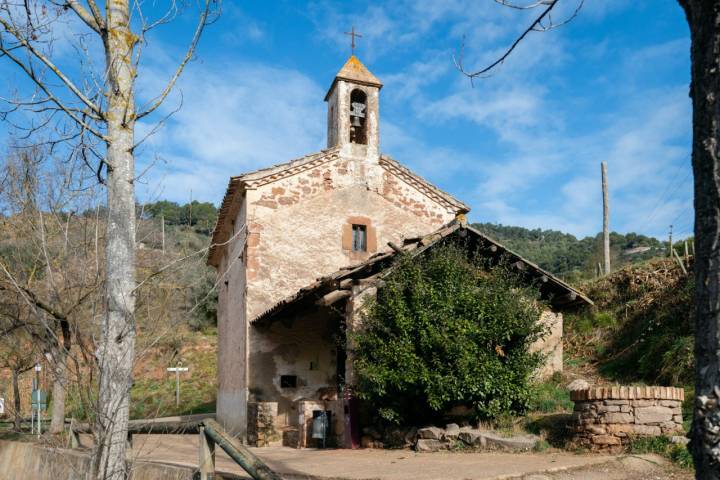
<point x="606" y="418"/>
<point x="262" y="430"/>
<point x="551" y="345"/>
<point x="298" y="238"/>
<point x="305" y="347"/>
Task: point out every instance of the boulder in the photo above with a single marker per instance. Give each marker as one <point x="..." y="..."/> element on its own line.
<point x="431" y="433"/>
<point x="410" y="436"/>
<point x="473" y="438"/>
<point x="523" y="443"/>
<point x="452" y="430"/>
<point x="429" y="445"/>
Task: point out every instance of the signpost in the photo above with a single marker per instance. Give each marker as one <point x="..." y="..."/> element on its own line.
<point x="179" y="368"/>
<point x="38" y="402"/>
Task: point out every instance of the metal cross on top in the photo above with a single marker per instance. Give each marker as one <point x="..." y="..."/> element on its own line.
<point x="353" y="35"/>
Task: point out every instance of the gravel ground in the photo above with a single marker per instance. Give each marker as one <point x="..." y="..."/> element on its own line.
<point x="407" y="465"/>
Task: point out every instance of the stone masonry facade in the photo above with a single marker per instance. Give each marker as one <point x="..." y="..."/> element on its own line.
<point x="607" y="418"/>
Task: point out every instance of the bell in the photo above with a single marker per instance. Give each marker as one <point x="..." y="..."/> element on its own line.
<point x="356" y="122"/>
<point x="319" y="426"/>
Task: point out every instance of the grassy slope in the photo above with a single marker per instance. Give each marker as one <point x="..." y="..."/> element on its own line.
<point x="640" y="331"/>
<point x="641" y="328"/>
<point x="153" y="393"/>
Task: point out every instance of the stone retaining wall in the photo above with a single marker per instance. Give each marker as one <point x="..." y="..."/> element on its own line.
<point x="606" y="418"/>
<point x="262" y="424"/>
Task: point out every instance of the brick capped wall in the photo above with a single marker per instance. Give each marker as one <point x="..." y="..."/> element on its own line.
<point x="606" y="418"/>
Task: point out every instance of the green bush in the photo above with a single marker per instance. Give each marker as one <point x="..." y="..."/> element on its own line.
<point x="447" y="330"/>
<point x="679" y="454"/>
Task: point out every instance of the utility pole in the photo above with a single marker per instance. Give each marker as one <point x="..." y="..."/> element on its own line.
<point x="190" y="208"/>
<point x="670" y="244"/>
<point x="606" y="218"/>
<point x="162" y="220"/>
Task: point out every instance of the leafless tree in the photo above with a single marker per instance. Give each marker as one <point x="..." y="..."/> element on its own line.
<point x="17" y="356"/>
<point x="703" y="17"/>
<point x="99" y="114"/>
<point x="50" y="278"/>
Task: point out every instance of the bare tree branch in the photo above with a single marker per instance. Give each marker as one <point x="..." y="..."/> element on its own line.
<point x="188" y="55"/>
<point x="30" y="73"/>
<point x="536" y="26"/>
<point x="40" y="56"/>
<point x="91" y="20"/>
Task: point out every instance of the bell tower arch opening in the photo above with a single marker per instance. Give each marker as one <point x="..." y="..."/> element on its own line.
<point x="358" y="117"/>
<point x="353" y="110"/>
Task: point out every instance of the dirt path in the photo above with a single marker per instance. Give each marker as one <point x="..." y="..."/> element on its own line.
<point x="407" y="465"/>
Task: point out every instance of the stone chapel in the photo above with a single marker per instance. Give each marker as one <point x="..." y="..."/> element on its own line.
<point x="297" y="248"/>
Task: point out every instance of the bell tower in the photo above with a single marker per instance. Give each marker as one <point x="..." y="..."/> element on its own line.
<point x="353" y="111"/>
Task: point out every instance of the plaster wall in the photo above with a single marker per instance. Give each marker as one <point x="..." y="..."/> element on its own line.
<point x="296" y="244"/>
<point x="232" y="331"/>
<point x="304" y="346"/>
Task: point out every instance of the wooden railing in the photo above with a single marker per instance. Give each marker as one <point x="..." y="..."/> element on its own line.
<point x="210" y="434"/>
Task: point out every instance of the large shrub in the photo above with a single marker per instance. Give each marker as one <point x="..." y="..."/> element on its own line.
<point x="446" y="331"/>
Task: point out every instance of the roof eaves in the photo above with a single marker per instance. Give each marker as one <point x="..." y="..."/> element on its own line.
<point x="431" y="190"/>
<point x="534" y="266"/>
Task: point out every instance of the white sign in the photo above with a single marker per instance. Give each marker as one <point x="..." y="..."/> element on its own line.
<point x="2" y="406"/>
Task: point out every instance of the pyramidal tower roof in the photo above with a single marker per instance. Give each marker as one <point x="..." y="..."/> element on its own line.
<point x="355" y="71"/>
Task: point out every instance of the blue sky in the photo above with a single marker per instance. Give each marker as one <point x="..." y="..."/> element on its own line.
<point x="521" y="148"/>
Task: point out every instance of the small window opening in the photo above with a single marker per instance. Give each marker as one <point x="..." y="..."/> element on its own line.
<point x="358" y="120"/>
<point x="359" y="243"/>
<point x="288" y="381"/>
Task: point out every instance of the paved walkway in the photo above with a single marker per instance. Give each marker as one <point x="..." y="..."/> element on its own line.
<point x="370" y="464"/>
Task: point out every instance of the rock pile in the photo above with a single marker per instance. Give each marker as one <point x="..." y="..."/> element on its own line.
<point x="606" y="418"/>
<point x="432" y="439"/>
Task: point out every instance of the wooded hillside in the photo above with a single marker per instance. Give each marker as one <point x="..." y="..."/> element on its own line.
<point x="570" y="257"/>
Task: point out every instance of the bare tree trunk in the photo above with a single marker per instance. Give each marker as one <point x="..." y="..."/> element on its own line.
<point x="16" y="395"/>
<point x="57" y="423"/>
<point x="117" y="350"/>
<point x="703" y="17"/>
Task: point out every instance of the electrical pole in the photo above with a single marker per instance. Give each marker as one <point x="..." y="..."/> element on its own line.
<point x="670" y="244"/>
<point x="606" y="218"/>
<point x="162" y="219"/>
<point x="190" y="208"/>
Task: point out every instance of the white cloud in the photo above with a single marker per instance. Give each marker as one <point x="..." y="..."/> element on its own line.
<point x="245" y="117"/>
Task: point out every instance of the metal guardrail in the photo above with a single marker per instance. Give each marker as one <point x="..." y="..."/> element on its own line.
<point x="210" y="434"/>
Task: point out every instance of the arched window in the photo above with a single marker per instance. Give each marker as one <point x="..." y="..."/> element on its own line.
<point x="358" y="120"/>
